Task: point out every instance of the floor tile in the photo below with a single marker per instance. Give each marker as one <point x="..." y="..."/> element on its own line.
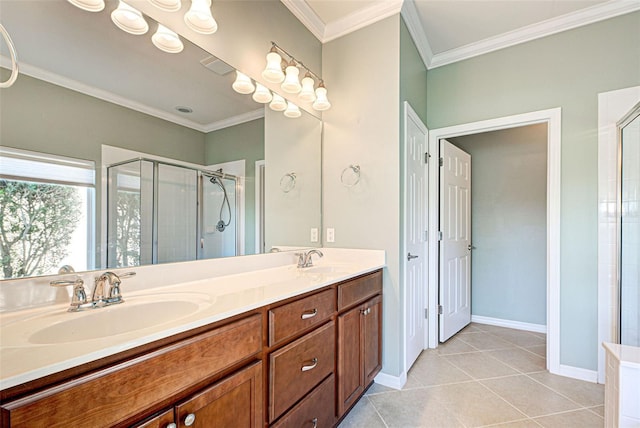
<point x="529" y="396"/>
<point x="363" y="414"/>
<point x="525" y="423"/>
<point x="480" y="365"/>
<point x="520" y="338"/>
<point x="376" y="388"/>
<point x="454" y="346"/>
<point x="586" y="394"/>
<point x="538" y="350"/>
<point x="430" y="370"/>
<point x="521" y="360"/>
<point x="485" y="342"/>
<point x="414" y="408"/>
<point x="598" y="410"/>
<point x="476" y="406"/>
<point x="577" y="419"/>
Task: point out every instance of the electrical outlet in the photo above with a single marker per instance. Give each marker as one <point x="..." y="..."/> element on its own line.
<point x="331" y="234"/>
<point x="314" y="234"/>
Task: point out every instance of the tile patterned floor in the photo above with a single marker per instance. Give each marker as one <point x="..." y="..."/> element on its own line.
<point x="483" y="376"/>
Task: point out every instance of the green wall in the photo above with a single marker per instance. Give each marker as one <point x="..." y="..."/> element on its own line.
<point x="565" y="70"/>
<point x="243" y="141"/>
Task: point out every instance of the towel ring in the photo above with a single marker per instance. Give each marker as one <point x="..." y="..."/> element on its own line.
<point x="350" y="175"/>
<point x="288" y="182"/>
<point x="14" y="59"/>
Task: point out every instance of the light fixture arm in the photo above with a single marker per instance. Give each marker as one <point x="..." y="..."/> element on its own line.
<point x="276" y="48"/>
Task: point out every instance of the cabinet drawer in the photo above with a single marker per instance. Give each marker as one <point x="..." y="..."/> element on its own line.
<point x="288" y="320"/>
<point x="115" y="394"/>
<point x="317" y="409"/>
<point x="360" y="289"/>
<point x="298" y="367"/>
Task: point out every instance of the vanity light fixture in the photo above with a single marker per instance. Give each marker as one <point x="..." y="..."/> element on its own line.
<point x="199" y="17"/>
<point x="88" y="5"/>
<point x="167" y="5"/>
<point x="243" y="84"/>
<point x="292" y="110"/>
<point x="166" y="40"/>
<point x="262" y="94"/>
<point x="129" y="19"/>
<point x="322" y="102"/>
<point x="278" y="103"/>
<point x="290" y="78"/>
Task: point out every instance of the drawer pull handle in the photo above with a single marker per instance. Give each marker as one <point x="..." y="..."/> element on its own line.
<point x="365" y="311"/>
<point x="315" y="422"/>
<point x="309" y="314"/>
<point x="172" y="425"/>
<point x="189" y="419"/>
<point x="311" y="366"/>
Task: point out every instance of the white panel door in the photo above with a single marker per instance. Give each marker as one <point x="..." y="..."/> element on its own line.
<point x="455" y="247"/>
<point x="415" y="231"/>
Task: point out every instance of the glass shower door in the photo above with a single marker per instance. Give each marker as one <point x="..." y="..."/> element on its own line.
<point x="629" y="257"/>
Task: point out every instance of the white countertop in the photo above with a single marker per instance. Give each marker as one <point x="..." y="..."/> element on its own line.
<point x="627" y="355"/>
<point x="26" y="353"/>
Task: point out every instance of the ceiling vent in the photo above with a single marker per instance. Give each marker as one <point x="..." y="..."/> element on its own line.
<point x="217" y="65"/>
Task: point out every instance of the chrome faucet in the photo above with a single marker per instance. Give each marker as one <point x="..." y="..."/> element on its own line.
<point x="99" y="298"/>
<point x="305" y="260"/>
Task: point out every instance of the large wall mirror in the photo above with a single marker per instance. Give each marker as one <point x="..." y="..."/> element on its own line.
<point x="132" y="155"/>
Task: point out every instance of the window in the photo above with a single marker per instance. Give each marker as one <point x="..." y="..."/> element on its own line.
<point x="46" y="213"/>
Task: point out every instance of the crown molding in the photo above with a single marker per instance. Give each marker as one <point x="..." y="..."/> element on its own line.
<point x="235" y="120"/>
<point x="556" y="25"/>
<point x="306" y="15"/>
<point x="361" y="18"/>
<point x="74" y="85"/>
<point x="412" y="20"/>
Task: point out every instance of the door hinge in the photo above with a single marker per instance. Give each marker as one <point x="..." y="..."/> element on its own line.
<point x="440" y="310"/>
<point x="426" y="157"/>
<point x="439" y="235"/>
<point x="426" y="235"/>
<point x="441" y="162"/>
<point x="426" y="313"/>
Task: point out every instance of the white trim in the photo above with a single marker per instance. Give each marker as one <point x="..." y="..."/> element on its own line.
<point x="259" y="186"/>
<point x="361" y="18"/>
<point x="416" y="30"/>
<point x="582" y="17"/>
<point x="517" y="325"/>
<point x="553" y="118"/>
<point x="307" y="16"/>
<point x="395" y="382"/>
<point x="578" y="373"/>
<point x="410" y="114"/>
<point x="612" y="106"/>
<point x="74" y="85"/>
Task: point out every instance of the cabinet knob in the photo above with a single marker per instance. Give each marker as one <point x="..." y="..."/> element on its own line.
<point x="315" y="422"/>
<point x="311" y="366"/>
<point x="309" y="314"/>
<point x="365" y="311"/>
<point x="172" y="425"/>
<point x="189" y="419"/>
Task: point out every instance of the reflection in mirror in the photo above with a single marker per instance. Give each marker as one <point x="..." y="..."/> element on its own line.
<point x="100" y="100"/>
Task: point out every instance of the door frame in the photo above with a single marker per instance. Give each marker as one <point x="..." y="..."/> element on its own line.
<point x="410" y="114"/>
<point x="553" y="119"/>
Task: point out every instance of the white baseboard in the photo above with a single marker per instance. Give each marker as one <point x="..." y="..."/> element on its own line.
<point x="518" y="325"/>
<point x="395" y="382"/>
<point x="578" y="373"/>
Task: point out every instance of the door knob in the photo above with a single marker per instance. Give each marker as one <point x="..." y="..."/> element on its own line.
<point x="410" y="257"/>
<point x="471" y="247"/>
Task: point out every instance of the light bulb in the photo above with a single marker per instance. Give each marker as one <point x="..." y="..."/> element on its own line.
<point x="199" y="17"/>
<point x="129" y="19"/>
<point x="322" y="102"/>
<point x="291" y="83"/>
<point x="273" y="71"/>
<point x="292" y="110"/>
<point x="307" y="93"/>
<point x="278" y="103"/>
<point x="88" y="5"/>
<point x="166" y="40"/>
<point x="167" y="5"/>
<point x="243" y="84"/>
<point x="262" y="95"/>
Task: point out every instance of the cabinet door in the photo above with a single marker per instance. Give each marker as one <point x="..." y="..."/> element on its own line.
<point x="371" y="343"/>
<point x="350" y="375"/>
<point x="163" y="420"/>
<point x="235" y="401"/>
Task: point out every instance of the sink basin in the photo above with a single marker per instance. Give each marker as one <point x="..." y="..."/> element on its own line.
<point x="330" y="269"/>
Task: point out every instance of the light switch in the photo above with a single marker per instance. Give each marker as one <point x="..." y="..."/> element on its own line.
<point x="314" y="234"/>
<point x="331" y="234"/>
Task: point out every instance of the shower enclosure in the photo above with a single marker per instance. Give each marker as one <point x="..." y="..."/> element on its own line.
<point x="159" y="212"/>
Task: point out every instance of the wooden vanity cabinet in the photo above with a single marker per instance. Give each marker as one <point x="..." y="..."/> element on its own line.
<point x="359" y="338"/>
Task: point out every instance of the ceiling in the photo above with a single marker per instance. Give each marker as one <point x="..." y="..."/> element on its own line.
<point x="446" y="31"/>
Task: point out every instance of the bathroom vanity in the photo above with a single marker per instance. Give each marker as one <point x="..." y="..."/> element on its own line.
<point x="298" y="351"/>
